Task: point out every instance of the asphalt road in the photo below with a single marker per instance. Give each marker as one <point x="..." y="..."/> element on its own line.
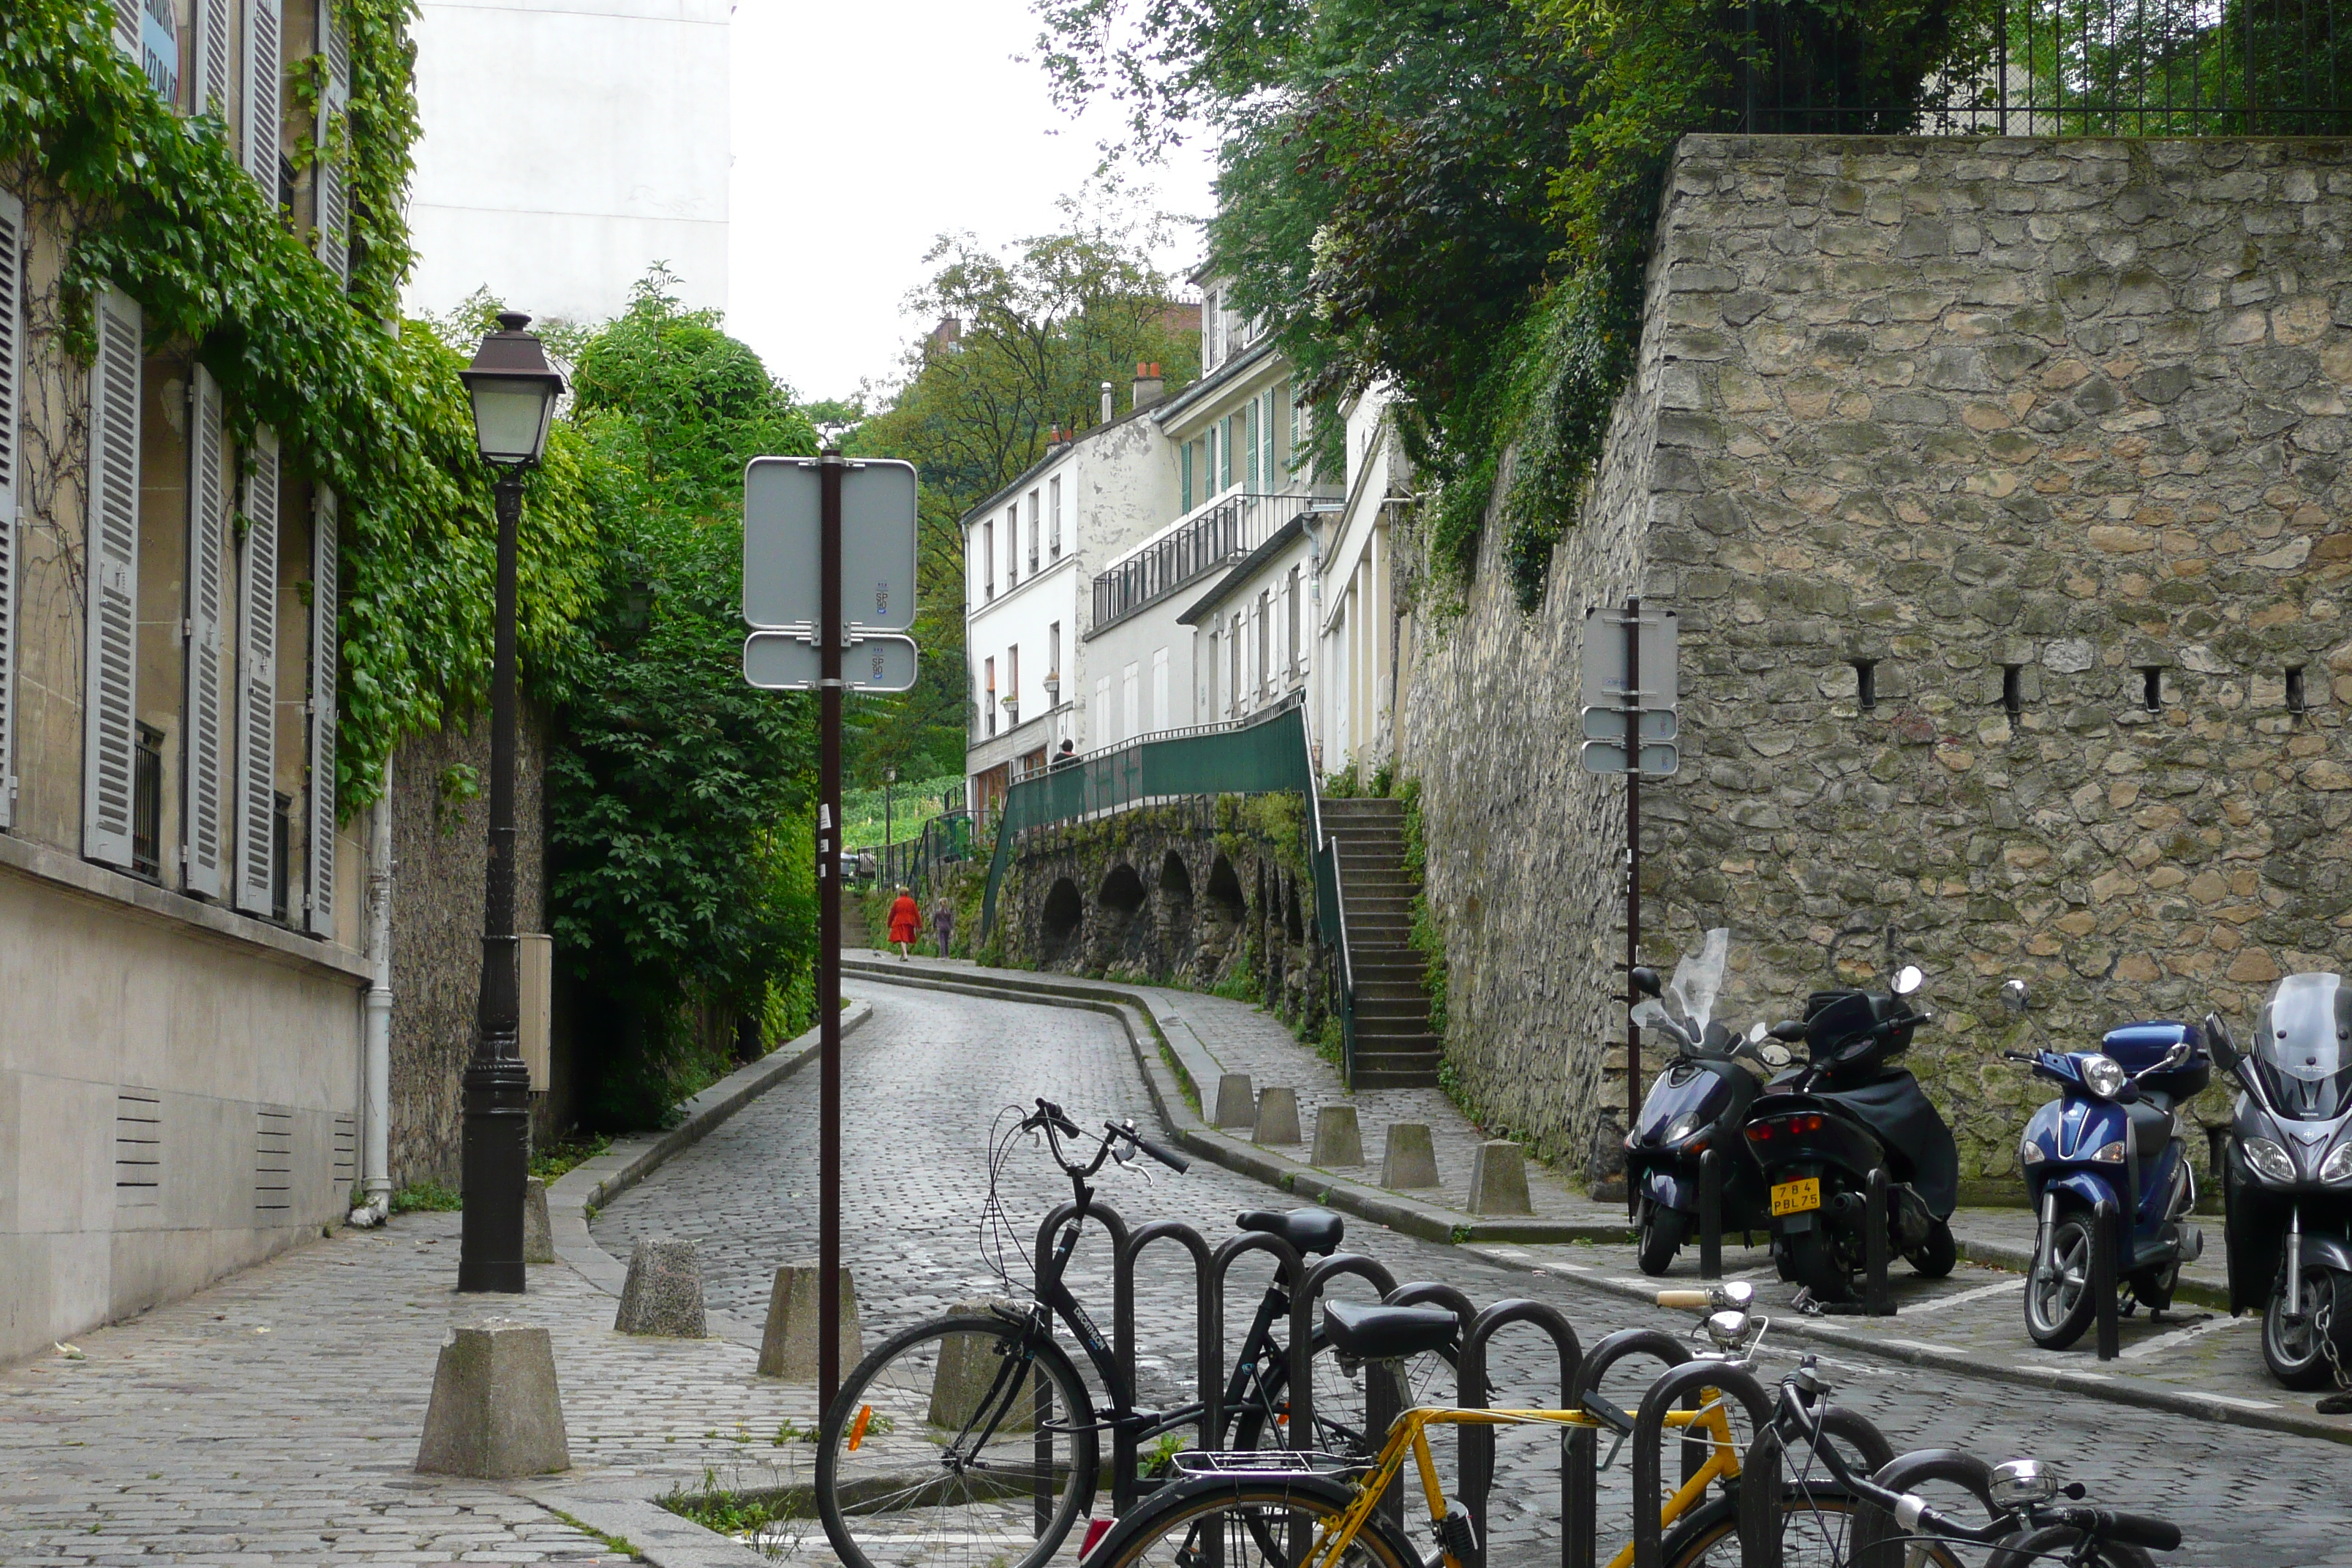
<point x="928" y="1079"/>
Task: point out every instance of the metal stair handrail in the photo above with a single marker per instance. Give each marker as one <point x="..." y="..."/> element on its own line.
<point x="1325" y="852"/>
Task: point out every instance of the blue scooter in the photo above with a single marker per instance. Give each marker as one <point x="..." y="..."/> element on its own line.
<point x="2108" y="1142"/>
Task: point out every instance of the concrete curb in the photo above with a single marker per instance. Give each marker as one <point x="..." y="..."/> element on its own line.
<point x="2018" y="1259"/>
<point x="1429" y="1223"/>
<point x="1146" y="1033"/>
<point x="660" y="1537"/>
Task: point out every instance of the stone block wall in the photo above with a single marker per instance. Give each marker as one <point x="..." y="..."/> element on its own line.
<point x="2012" y="423"/>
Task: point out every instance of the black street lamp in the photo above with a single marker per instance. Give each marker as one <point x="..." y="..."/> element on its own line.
<point x="514" y="391"/>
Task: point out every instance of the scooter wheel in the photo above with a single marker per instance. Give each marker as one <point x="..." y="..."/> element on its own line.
<point x="1809" y="1257"/>
<point x="2059" y="1304"/>
<point x="1938" y="1253"/>
<point x="2293" y="1350"/>
<point x="1662" y="1237"/>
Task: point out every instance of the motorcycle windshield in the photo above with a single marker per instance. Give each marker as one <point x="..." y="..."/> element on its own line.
<point x="1698" y="981"/>
<point x="2303" y="1042"/>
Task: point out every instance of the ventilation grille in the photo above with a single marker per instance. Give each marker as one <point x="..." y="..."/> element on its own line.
<point x="346" y="1153"/>
<point x="273" y="1160"/>
<point x="138" y="1149"/>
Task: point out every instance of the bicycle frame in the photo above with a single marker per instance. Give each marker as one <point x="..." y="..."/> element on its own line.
<point x="1409" y="1438"/>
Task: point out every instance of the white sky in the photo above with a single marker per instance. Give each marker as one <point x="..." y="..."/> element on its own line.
<point x="917" y="119"/>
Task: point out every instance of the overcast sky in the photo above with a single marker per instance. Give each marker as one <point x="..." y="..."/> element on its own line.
<point x="911" y="118"/>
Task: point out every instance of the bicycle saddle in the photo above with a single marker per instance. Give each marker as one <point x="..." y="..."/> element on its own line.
<point x="1371" y="1333"/>
<point x="1311" y="1231"/>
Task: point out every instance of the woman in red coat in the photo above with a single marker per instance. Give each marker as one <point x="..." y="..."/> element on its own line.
<point x="906" y="922"/>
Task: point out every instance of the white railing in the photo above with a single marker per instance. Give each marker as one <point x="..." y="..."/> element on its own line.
<point x="1210" y="537"/>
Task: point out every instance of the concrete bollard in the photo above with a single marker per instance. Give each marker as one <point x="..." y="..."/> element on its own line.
<point x="496" y="1411"/>
<point x="1236" y="1102"/>
<point x="1277" y="1117"/>
<point x="663" y="1294"/>
<point x="538" y="1238"/>
<point x="789" y="1348"/>
<point x="1498" y="1179"/>
<point x="1410" y="1159"/>
<point x="967" y="1371"/>
<point x="1337" y="1139"/>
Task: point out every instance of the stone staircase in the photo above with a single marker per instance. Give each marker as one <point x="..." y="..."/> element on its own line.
<point x="1394" y="1047"/>
<point x="854" y="934"/>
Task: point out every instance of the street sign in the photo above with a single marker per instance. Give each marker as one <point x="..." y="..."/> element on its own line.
<point x="1658" y="761"/>
<point x="1609" y="724"/>
<point x="782" y="661"/>
<point x="877" y="544"/>
<point x="1605" y="658"/>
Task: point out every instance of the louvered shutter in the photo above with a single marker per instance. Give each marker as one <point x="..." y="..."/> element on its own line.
<point x="110" y="664"/>
<point x="207" y="774"/>
<point x="264" y="74"/>
<point x="256" y="683"/>
<point x="326" y="561"/>
<point x="213" y="33"/>
<point x="126" y="27"/>
<point x="334" y="236"/>
<point x="11" y="262"/>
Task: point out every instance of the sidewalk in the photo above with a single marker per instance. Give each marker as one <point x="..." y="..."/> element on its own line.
<point x="1211" y="1035"/>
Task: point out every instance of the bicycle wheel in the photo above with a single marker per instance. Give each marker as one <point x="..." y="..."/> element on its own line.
<point x="1816" y="1532"/>
<point x="1248" y="1524"/>
<point x="959" y="1441"/>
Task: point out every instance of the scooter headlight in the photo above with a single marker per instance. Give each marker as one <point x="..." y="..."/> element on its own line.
<point x="2337" y="1166"/>
<point x="2268" y="1161"/>
<point x="1683" y="1127"/>
<point x="2030" y="1152"/>
<point x="2111" y="1153"/>
<point x="2104" y="1076"/>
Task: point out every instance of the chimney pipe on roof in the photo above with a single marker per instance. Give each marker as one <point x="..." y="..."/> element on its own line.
<point x="1146" y="385"/>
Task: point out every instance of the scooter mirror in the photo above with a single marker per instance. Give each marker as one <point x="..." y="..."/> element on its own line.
<point x="1646" y="982"/>
<point x="1775" y="1055"/>
<point x="1907" y="979"/>
<point x="2014" y="996"/>
<point x="2225" y="1047"/>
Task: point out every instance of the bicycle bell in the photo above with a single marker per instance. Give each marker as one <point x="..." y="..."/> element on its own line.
<point x="1728" y="1330"/>
<point x="2021" y="1483"/>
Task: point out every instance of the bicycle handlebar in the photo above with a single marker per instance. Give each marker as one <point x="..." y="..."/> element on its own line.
<point x="1168" y="1157"/>
<point x="2131" y="1529"/>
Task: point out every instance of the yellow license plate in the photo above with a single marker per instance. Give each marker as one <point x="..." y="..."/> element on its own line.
<point x="1797" y="1197"/>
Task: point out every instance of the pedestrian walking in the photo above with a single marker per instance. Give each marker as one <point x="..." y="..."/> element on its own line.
<point x="1067" y="757"/>
<point x="943" y="923"/>
<point x="906" y="921"/>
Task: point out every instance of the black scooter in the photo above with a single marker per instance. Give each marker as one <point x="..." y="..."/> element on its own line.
<point x="1817" y="1133"/>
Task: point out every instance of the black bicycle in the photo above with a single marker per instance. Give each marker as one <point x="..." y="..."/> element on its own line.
<point x="973" y="1439"/>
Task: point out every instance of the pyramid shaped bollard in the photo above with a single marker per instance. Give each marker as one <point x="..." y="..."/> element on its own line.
<point x="496" y="1412"/>
<point x="1236" y="1102"/>
<point x="1339" y="1140"/>
<point x="1410" y="1159"/>
<point x="1277" y="1117"/>
<point x="1498" y="1179"/>
<point x="538" y="1237"/>
<point x="789" y="1348"/>
<point x="663" y="1294"/>
<point x="968" y="1369"/>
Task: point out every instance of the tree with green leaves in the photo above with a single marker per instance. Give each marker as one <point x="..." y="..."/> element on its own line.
<point x="1035" y="332"/>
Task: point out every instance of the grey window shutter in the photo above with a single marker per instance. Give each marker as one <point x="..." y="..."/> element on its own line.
<point x="264" y="79"/>
<point x="207" y="776"/>
<point x="213" y="35"/>
<point x="11" y="262"/>
<point x="334" y="236"/>
<point x="126" y="27"/>
<point x="110" y="664"/>
<point x="326" y="562"/>
<point x="256" y="683"/>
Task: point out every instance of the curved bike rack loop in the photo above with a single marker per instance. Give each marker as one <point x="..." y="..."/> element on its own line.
<point x="1477" y="1392"/>
<point x="1762" y="1472"/>
<point x="1580" y="1485"/>
<point x="1208" y="1350"/>
<point x="1302" y="1332"/>
<point x="1289" y="1266"/>
<point x="1385" y="1398"/>
<point x="1649" y="1425"/>
<point x="1877" y="1542"/>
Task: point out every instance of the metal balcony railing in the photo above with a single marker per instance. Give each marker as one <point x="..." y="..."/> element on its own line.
<point x="1213" y="537"/>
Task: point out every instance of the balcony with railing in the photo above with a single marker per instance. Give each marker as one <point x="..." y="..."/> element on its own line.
<point x="1206" y="540"/>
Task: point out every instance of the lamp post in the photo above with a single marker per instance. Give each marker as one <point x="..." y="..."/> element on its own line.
<point x="890" y="778"/>
<point x="514" y="390"/>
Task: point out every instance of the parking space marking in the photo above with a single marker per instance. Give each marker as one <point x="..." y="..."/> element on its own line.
<point x="2179" y="1337"/>
<point x="1958" y="1297"/>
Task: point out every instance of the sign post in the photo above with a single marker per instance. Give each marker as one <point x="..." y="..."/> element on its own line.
<point x="1630" y="692"/>
<point x="853" y="521"/>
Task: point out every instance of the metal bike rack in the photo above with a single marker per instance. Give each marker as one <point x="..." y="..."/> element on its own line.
<point x="1208" y="1350"/>
<point x="1710" y="1215"/>
<point x="1061" y="1214"/>
<point x="1760" y="1473"/>
<point x="1384" y="1397"/>
<point x="1877" y="1542"/>
<point x="1580" y="1483"/>
<point x="2105" y="1228"/>
<point x="1302" y="1333"/>
<point x="1679" y="1383"/>
<point x="1878" y="1301"/>
<point x="1475" y="1389"/>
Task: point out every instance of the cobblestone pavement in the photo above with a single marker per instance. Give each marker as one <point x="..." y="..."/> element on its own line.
<point x="924" y="1077"/>
<point x="273" y="1419"/>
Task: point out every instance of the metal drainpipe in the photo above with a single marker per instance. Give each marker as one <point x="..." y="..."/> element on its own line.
<point x="376" y="1016"/>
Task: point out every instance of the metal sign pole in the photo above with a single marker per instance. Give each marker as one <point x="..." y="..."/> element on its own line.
<point x="1633" y="864"/>
<point x="828" y="963"/>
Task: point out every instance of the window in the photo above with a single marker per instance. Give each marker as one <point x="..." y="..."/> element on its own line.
<point x="1265" y="682"/>
<point x="147" y="803"/>
<point x="1275" y="401"/>
<point x="1011" y="546"/>
<point x="1209" y="483"/>
<point x="1211" y="339"/>
<point x="1233" y="665"/>
<point x="1159" y="715"/>
<point x="1104" y="734"/>
<point x="1185" y="477"/>
<point x="2013" y="689"/>
<point x="988" y="697"/>
<point x="1130" y="696"/>
<point x="1208" y="696"/>
<point x="1055" y="489"/>
<point x="2151" y="687"/>
<point x="988" y="556"/>
<point x="1032" y="533"/>
<point x="1249" y="438"/>
<point x="1225" y="474"/>
<point x="1866" y="683"/>
<point x="1053" y="659"/>
<point x="2295" y="700"/>
<point x="1290" y="629"/>
<point x="1013" y="684"/>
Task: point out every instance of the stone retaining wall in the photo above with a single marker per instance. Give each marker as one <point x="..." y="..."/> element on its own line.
<point x="2015" y="422"/>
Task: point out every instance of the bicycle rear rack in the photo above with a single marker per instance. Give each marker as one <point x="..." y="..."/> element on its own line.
<point x="1268" y="1462"/>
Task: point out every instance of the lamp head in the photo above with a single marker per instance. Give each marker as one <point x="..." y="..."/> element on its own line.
<point x="514" y="392"/>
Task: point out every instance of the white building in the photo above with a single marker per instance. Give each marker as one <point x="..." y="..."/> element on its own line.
<point x="567" y="147"/>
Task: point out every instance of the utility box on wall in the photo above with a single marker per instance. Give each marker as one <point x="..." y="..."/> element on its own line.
<point x="537" y="960"/>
